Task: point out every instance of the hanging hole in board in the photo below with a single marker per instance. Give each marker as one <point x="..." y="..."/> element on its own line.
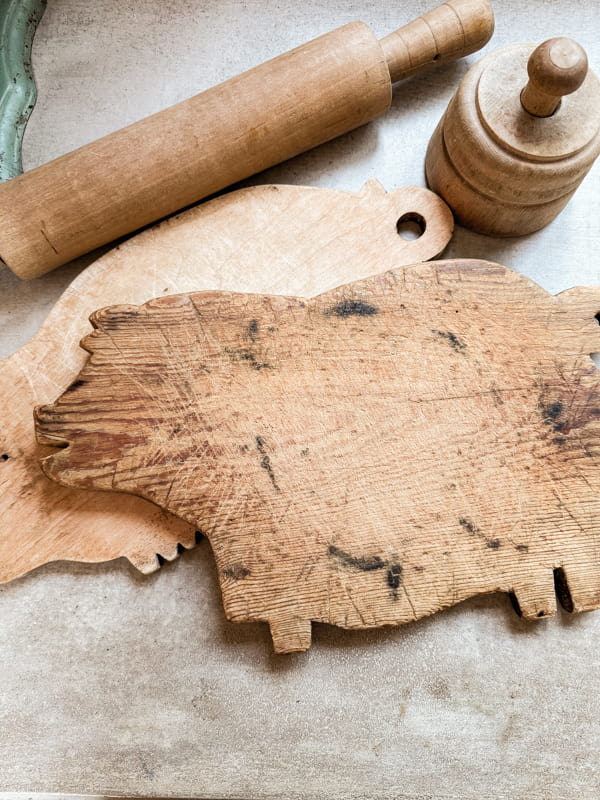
<point x="411" y="226"/>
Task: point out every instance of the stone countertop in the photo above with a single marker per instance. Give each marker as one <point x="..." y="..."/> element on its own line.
<point x="119" y="684"/>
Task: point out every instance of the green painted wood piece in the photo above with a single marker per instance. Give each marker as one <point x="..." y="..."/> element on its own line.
<point x="18" y="22"/>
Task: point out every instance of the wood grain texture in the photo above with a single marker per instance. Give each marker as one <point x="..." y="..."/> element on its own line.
<point x="556" y="68"/>
<point x="364" y="458"/>
<point x="268" y="238"/>
<point x="451" y="30"/>
<point x="502" y="170"/>
<point x="273" y="112"/>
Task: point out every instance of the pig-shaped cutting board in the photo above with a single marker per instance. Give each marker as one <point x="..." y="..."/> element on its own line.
<point x="362" y="458"/>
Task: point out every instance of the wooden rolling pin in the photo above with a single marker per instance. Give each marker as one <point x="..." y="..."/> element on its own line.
<point x="172" y="159"/>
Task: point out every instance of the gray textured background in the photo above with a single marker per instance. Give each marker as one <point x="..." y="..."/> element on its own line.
<point x="118" y="684"/>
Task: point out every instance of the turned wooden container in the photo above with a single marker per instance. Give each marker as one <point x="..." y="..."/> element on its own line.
<point x="518" y="137"/>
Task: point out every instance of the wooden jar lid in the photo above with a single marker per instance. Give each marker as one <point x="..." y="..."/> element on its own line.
<point x="571" y="128"/>
<point x="521" y="161"/>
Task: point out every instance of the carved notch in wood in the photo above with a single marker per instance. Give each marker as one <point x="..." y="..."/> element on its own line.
<point x="364" y="458"/>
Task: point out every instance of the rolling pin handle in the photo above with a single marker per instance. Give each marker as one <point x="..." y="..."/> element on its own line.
<point x="452" y="30"/>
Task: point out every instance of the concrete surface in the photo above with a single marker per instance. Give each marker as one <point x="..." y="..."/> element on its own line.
<point x="117" y="684"/>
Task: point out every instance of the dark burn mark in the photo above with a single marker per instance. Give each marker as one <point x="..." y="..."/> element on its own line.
<point x="522" y="548"/>
<point x="362" y="563"/>
<point x="473" y="530"/>
<point x="353" y="308"/>
<point x="248" y="356"/>
<point x="304" y="452"/>
<point x="74" y="386"/>
<point x="393" y="577"/>
<point x="393" y="573"/>
<point x="265" y="461"/>
<point x="457" y="344"/>
<point x="470" y="527"/>
<point x="253" y="329"/>
<point x="551" y="413"/>
<point x="237" y="572"/>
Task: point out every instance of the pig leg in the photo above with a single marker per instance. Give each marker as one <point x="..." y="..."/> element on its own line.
<point x="291" y="634"/>
<point x="536" y="597"/>
<point x="578" y="586"/>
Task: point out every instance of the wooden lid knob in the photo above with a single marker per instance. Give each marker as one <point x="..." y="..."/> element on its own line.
<point x="556" y="68"/>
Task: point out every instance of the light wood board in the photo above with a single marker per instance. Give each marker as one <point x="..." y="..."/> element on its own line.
<point x="269" y="236"/>
<point x="365" y="458"/>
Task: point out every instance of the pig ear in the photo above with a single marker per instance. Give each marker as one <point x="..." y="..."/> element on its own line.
<point x="372" y="188"/>
<point x="113" y="320"/>
<point x="105" y="321"/>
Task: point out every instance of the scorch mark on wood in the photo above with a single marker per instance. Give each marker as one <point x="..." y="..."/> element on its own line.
<point x="265" y="461"/>
<point x="353" y="308"/>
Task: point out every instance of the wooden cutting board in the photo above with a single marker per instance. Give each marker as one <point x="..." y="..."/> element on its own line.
<point x="365" y="458"/>
<point x="270" y="238"/>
